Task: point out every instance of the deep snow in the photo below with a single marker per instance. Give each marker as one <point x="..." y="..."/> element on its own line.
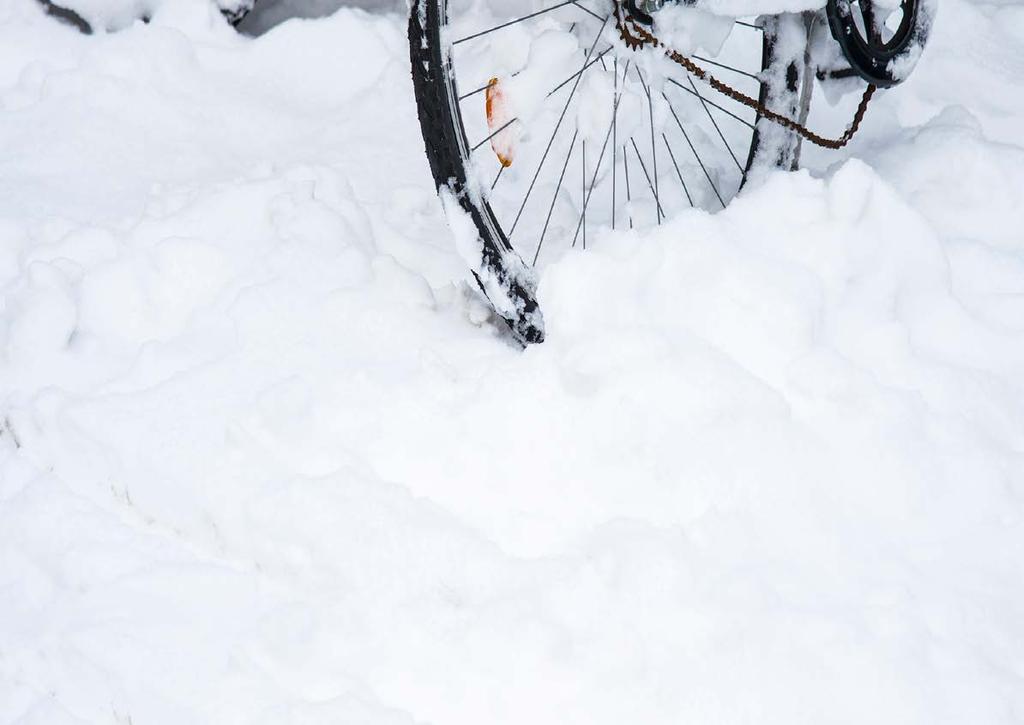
<point x="265" y="458"/>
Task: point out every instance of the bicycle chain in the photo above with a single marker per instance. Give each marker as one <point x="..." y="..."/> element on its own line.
<point x="636" y="37"/>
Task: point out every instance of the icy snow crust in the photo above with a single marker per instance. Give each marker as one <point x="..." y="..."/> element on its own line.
<point x="264" y="457"/>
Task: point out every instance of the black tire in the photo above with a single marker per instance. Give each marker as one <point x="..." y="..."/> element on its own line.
<point x="500" y="271"/>
<point x="445" y="143"/>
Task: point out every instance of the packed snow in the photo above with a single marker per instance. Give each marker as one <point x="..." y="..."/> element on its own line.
<point x="266" y="456"/>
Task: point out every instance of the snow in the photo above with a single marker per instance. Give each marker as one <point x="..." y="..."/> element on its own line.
<point x="690" y="30"/>
<point x="264" y="456"/>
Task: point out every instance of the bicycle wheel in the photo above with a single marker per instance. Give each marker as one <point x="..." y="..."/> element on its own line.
<point x="542" y="126"/>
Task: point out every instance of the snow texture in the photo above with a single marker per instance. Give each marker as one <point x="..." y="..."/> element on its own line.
<point x="265" y="457"/>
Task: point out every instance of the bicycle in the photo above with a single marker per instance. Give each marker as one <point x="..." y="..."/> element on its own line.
<point x="663" y="131"/>
<point x="651" y="128"/>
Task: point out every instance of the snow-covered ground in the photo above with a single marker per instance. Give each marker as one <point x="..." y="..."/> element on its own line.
<point x="264" y="458"/>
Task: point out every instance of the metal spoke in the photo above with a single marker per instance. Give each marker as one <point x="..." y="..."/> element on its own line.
<point x="715" y="124"/>
<point x="555" y="132"/>
<point x="678" y="172"/>
<point x="615" y="108"/>
<point x="583" y="182"/>
<point x="492" y="135"/>
<point x="588" y="11"/>
<point x="694" y="150"/>
<point x="657" y="202"/>
<point x="727" y="67"/>
<point x="481" y="89"/>
<point x="589" y="176"/>
<point x="581" y="71"/>
<point x="711" y="103"/>
<point x="550" y="93"/>
<point x="513" y="22"/>
<point x="554" y="198"/>
<point x="654" y="150"/>
<point x="498" y="176"/>
<point x="704" y="169"/>
<point x="629" y="198"/>
<point x="593" y="179"/>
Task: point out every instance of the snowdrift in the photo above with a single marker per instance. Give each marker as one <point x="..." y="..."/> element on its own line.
<point x="265" y="457"/>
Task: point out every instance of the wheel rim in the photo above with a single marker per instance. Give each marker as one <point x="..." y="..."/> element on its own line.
<point x="600" y="136"/>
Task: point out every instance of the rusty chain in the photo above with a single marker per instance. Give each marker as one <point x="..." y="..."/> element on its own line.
<point x="635" y="37"/>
